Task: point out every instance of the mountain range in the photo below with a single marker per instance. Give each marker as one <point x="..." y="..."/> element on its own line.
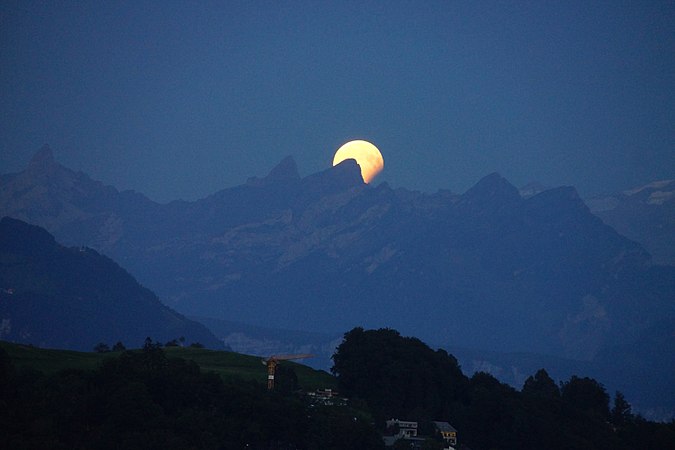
<point x="487" y="269"/>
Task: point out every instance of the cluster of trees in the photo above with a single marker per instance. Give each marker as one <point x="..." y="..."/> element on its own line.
<point x="102" y="347"/>
<point x="144" y="399"/>
<point x="401" y="377"/>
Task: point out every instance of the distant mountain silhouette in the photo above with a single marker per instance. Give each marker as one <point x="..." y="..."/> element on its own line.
<point x="645" y="214"/>
<point x="485" y="269"/>
<point x="285" y="171"/>
<point x="74" y="298"/>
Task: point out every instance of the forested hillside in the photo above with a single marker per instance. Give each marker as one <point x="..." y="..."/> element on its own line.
<point x="401" y="377"/>
<point x="146" y="399"/>
<point x="169" y="398"/>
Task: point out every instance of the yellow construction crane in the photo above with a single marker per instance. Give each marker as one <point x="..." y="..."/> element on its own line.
<point x="274" y="360"/>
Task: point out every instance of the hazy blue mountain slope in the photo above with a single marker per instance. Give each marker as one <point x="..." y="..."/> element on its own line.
<point x="59" y="297"/>
<point x="645" y="214"/>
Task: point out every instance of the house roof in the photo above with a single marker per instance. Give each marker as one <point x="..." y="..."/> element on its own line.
<point x="444" y="426"/>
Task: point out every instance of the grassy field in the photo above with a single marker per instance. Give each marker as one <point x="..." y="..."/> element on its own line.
<point x="230" y="364"/>
<point x="226" y="364"/>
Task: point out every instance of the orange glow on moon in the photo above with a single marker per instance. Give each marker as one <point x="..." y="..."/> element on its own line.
<point x="367" y="156"/>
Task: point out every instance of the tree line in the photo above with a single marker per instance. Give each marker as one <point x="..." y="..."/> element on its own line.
<point x="401" y="377"/>
<point x="145" y="399"/>
<point x="119" y="346"/>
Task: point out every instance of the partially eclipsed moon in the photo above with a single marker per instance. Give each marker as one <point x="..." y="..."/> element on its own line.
<point x="367" y="156"/>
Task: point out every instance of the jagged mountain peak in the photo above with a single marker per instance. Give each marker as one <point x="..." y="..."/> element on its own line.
<point x="533" y="188"/>
<point x="562" y="193"/>
<point x="349" y="170"/>
<point x="287" y="169"/>
<point x="492" y="190"/>
<point x="493" y="182"/>
<point x="559" y="201"/>
<point x="284" y="172"/>
<point x="343" y="176"/>
<point x="43" y="157"/>
<point x="53" y="196"/>
<point x="43" y="163"/>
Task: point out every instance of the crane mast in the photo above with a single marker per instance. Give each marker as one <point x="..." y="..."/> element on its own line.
<point x="273" y="361"/>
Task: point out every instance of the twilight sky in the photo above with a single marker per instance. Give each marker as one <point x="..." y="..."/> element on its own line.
<point x="181" y="99"/>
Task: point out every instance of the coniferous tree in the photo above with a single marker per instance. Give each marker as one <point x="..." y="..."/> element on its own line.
<point x="587" y="395"/>
<point x="621" y="413"/>
<point x="541" y="385"/>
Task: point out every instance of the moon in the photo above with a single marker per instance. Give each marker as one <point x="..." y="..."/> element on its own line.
<point x="367" y="156"/>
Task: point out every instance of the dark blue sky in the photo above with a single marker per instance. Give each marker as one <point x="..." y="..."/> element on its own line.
<point x="180" y="99"/>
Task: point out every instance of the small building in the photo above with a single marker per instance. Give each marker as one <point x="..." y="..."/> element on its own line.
<point x="326" y="397"/>
<point x="408" y="431"/>
<point x="414" y="443"/>
<point x="448" y="433"/>
<point x="402" y="428"/>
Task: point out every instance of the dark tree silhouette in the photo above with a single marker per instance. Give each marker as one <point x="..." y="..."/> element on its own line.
<point x="587" y="395"/>
<point x="396" y="375"/>
<point x="621" y="414"/>
<point x="132" y="402"/>
<point x="101" y="347"/>
<point x="542" y="385"/>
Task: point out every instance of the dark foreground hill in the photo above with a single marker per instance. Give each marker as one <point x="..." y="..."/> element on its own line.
<point x="74" y="298"/>
<point x="402" y="377"/>
<point x="486" y="269"/>
<point x="228" y="365"/>
<point x="154" y="398"/>
<point x="194" y="398"/>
